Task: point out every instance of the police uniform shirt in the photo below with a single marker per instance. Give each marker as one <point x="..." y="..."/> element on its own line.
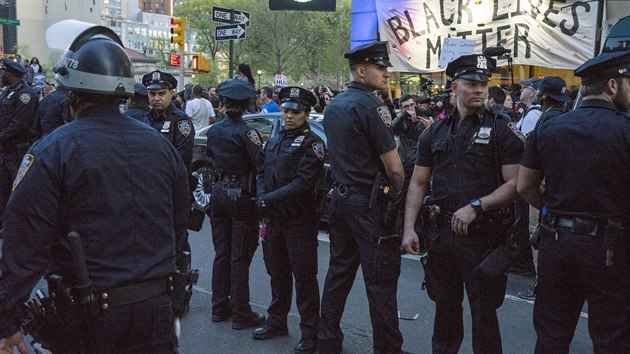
<point x="463" y="159"/>
<point x="584" y="156"/>
<point x="18" y="112"/>
<point x="357" y="127"/>
<point x="177" y="127"/>
<point x="226" y="141"/>
<point x="115" y="181"/>
<point x="294" y="161"/>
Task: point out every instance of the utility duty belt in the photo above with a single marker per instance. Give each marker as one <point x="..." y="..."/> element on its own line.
<point x="229" y="178"/>
<point x="577" y="224"/>
<point x="609" y="230"/>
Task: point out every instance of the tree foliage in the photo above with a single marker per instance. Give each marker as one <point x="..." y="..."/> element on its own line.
<point x="308" y="47"/>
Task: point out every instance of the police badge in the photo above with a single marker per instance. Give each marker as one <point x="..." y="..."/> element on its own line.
<point x="385" y="115"/>
<point x="483" y="135"/>
<point x="254" y="137"/>
<point x="184" y="127"/>
<point x="27" y="162"/>
<point x="298" y="141"/>
<point x="482" y="62"/>
<point x="295" y="92"/>
<point x="320" y="152"/>
<point x="156" y="76"/>
<point x="25" y="98"/>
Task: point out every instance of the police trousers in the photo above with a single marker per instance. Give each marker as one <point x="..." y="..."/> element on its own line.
<point x="9" y="165"/>
<point x="450" y="268"/>
<point x="571" y="270"/>
<point x="141" y="327"/>
<point x="290" y="251"/>
<point x="356" y="238"/>
<point x="235" y="239"/>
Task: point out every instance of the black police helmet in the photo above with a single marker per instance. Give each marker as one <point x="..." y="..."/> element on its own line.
<point x="96" y="62"/>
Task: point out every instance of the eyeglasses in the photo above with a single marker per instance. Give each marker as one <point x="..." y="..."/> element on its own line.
<point x="408" y="106"/>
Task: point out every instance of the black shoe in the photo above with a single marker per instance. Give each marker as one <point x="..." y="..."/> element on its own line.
<point x="254" y="321"/>
<point x="306" y="346"/>
<point x="221" y="316"/>
<point x="267" y="331"/>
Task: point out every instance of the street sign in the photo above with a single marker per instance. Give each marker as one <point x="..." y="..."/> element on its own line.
<point x="9" y="21"/>
<point x="227" y="32"/>
<point x="220" y="14"/>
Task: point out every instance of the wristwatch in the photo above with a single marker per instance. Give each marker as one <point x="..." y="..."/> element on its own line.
<point x="476" y="205"/>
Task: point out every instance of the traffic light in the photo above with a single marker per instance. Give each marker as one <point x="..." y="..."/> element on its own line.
<point x="194" y="63"/>
<point x="200" y="63"/>
<point x="178" y="28"/>
<point x="174" y="59"/>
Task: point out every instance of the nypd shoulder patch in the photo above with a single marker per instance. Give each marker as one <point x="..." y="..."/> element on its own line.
<point x="254" y="137"/>
<point x="184" y="127"/>
<point x="25" y="98"/>
<point x="385" y="115"/>
<point x="27" y="162"/>
<point x="518" y="133"/>
<point x="318" y="149"/>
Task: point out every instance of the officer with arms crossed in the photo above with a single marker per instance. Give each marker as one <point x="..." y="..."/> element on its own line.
<point x="584" y="251"/>
<point x="18" y="113"/>
<point x="368" y="175"/>
<point x="91" y="176"/>
<point x="459" y="154"/>
<point x="238" y="157"/>
<point x="287" y="198"/>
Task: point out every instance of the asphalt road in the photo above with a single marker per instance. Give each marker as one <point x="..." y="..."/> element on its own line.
<point x="200" y="335"/>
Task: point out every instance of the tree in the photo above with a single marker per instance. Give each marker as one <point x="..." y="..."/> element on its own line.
<point x="306" y="46"/>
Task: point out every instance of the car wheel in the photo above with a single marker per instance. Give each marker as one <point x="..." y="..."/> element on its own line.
<point x="201" y="193"/>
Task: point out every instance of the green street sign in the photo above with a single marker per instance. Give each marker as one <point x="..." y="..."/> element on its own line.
<point x="9" y="22"/>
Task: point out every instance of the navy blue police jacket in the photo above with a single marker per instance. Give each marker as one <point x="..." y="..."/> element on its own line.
<point x="357" y="129"/>
<point x="234" y="148"/>
<point x="18" y="114"/>
<point x="115" y="181"/>
<point x="294" y="161"/>
<point x="177" y="128"/>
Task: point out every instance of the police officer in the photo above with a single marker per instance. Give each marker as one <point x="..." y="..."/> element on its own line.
<point x="361" y="149"/>
<point x="53" y="111"/>
<point x="139" y="103"/>
<point x="287" y="197"/>
<point x="171" y="121"/>
<point x="237" y="154"/>
<point x="117" y="183"/>
<point x="18" y="113"/>
<point x="472" y="158"/>
<point x="584" y="251"/>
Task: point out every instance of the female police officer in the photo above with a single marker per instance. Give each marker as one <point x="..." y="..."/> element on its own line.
<point x="294" y="160"/>
<point x="236" y="151"/>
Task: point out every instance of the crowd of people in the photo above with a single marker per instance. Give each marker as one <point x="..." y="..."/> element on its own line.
<point x="114" y="165"/>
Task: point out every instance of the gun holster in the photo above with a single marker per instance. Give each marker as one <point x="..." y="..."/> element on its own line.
<point x="182" y="283"/>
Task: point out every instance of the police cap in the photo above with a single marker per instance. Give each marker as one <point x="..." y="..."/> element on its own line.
<point x="14" y="66"/>
<point x="605" y="66"/>
<point x="296" y="98"/>
<point x="237" y="90"/>
<point x="375" y="53"/>
<point x="140" y="90"/>
<point x="157" y="80"/>
<point x="475" y="67"/>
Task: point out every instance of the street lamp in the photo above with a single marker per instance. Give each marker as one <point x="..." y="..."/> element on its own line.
<point x="259" y="72"/>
